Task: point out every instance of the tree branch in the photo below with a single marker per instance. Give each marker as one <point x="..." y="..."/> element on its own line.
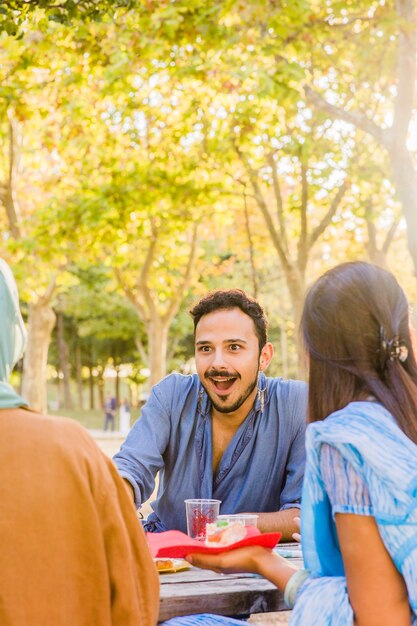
<point x="175" y="302"/>
<point x="141" y="283"/>
<point x="7" y="189"/>
<point x="321" y="227"/>
<point x="371" y="245"/>
<point x="46" y="297"/>
<point x="278" y="200"/>
<point x="302" y="241"/>
<point x="260" y="200"/>
<point x="250" y="243"/>
<point x="378" y="255"/>
<point x="142" y="352"/>
<point x="131" y="296"/>
<point x="356" y="118"/>
<point x="143" y="275"/>
<point x="390" y="236"/>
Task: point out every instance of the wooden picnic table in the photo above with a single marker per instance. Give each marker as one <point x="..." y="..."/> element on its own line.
<point x="204" y="591"/>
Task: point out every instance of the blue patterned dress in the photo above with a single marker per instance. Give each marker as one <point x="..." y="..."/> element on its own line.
<point x="358" y="461"/>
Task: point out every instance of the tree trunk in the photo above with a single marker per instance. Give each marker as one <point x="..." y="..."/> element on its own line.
<point x="64" y="366"/>
<point x="251" y="250"/>
<point x="91" y="386"/>
<point x="78" y="367"/>
<point x="41" y="320"/>
<point x="405" y="178"/>
<point x="296" y="287"/>
<point x="117" y="384"/>
<point x="158" y="340"/>
<point x="60" y="390"/>
<point x="100" y="385"/>
<point x="284" y="350"/>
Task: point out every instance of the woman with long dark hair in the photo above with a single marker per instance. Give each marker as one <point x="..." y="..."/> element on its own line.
<point x="359" y="505"/>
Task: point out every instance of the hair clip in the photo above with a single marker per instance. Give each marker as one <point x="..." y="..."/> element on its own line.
<point x="393" y="348"/>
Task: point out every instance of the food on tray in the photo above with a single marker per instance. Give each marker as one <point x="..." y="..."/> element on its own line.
<point x="170" y="566"/>
<point x="224" y="532"/>
<point x="162" y="564"/>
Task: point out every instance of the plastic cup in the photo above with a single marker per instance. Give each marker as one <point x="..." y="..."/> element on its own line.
<point x="247" y="519"/>
<point x="200" y="513"/>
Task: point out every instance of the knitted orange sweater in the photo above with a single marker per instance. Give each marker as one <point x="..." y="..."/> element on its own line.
<point x="72" y="552"/>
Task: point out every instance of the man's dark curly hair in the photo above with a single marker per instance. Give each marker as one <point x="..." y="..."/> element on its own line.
<point x="231" y="299"/>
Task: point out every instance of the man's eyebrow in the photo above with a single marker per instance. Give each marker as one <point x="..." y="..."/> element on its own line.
<point x="238" y="340"/>
<point x="206" y="341"/>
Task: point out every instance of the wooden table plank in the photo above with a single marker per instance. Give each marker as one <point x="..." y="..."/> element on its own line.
<point x="203" y="591"/>
<point x="224" y="596"/>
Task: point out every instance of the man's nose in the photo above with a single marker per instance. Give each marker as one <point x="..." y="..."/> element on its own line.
<point x="218" y="359"/>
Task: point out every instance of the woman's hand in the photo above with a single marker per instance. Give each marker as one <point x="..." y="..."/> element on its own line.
<point x="246" y="559"/>
<point x="251" y="559"/>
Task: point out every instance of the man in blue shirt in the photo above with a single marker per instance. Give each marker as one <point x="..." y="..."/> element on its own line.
<point x="227" y="432"/>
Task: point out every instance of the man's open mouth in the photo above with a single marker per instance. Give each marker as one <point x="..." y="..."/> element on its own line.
<point x="222" y="383"/>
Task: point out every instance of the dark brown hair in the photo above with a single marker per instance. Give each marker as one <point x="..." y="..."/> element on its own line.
<point x="352" y="317"/>
<point x="231" y="299"/>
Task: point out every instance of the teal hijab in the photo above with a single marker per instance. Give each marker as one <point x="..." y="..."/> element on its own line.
<point x="12" y="337"/>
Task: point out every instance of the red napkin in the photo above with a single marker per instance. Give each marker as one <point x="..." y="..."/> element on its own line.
<point x="176" y="545"/>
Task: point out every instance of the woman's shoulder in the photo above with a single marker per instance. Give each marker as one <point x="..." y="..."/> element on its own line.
<point x="355" y="413"/>
<point x="355" y="423"/>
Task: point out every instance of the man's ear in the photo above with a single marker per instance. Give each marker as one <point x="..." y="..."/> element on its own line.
<point x="265" y="358"/>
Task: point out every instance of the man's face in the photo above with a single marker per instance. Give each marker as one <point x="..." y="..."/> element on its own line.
<point x="227" y="359"/>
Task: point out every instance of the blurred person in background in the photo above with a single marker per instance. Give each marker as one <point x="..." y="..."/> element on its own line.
<point x="124" y="417"/>
<point x="110" y="406"/>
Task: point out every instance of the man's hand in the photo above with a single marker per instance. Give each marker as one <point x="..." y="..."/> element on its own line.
<point x="279" y="521"/>
<point x="297" y="536"/>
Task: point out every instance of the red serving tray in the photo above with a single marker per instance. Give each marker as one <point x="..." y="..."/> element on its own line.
<point x="176" y="545"/>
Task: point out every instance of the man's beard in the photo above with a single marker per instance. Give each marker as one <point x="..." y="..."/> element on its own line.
<point x="236" y="405"/>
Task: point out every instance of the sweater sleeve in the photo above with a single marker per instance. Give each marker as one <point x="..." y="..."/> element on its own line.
<point x="133" y="578"/>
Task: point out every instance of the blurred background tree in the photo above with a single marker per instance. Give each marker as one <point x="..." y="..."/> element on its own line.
<point x="152" y="151"/>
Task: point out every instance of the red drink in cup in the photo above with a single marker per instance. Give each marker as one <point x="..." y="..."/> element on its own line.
<point x="200" y="512"/>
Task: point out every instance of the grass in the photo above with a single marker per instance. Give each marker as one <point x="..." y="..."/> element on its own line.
<point x="91" y="419"/>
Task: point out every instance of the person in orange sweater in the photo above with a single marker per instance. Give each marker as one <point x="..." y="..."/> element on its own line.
<point x="72" y="551"/>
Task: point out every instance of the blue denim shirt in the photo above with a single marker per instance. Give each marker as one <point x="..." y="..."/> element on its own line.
<point x="261" y="469"/>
